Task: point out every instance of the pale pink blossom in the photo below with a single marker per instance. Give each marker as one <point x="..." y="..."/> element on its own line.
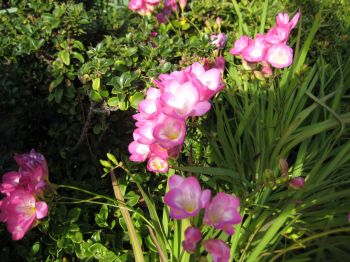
<point x="169" y="131"/>
<point x="222" y="212"/>
<point x="240" y="45"/>
<point x="218" y="249"/>
<point x="157" y="164"/>
<point x="185" y="197"/>
<point x="20" y="211"/>
<point x="139" y="152"/>
<point x="256" y="50"/>
<point x="192" y="237"/>
<point x="279" y="56"/>
<point x="182" y="98"/>
<point x="143" y="7"/>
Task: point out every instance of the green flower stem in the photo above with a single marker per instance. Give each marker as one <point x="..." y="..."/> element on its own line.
<point x="91" y="201"/>
<point x="125" y="213"/>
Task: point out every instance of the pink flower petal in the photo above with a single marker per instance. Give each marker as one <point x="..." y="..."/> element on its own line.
<point x="157" y="164"/>
<point x="240" y="45"/>
<point x="41" y="209"/>
<point x="279" y="56"/>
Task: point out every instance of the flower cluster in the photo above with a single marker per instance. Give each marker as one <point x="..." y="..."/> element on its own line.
<point x="146" y="7"/>
<point x="270" y="48"/>
<point x="161" y="122"/>
<point x="143" y="7"/>
<point x="169" y="7"/>
<point x="185" y="199"/>
<point x="19" y="209"/>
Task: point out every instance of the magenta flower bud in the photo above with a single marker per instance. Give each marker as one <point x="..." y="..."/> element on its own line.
<point x="297" y="182"/>
<point x="218" y="249"/>
<point x="171" y="4"/>
<point x="192" y="237"/>
<point x="349" y="216"/>
<point x="222" y="213"/>
<point x="19" y="211"/>
<point x="185" y="197"/>
<point x="29" y="161"/>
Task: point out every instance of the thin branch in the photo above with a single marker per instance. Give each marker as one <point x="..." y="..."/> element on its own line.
<point x="154" y="239"/>
<point x="125" y="213"/>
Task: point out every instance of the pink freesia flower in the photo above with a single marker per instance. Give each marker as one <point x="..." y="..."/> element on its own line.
<point x="185" y="197"/>
<point x="19" y="211"/>
<point x="183" y="98"/>
<point x="218" y="249"/>
<point x="240" y="45"/>
<point x="281" y="31"/>
<point x="218" y="40"/>
<point x="282" y="20"/>
<point x="10" y="181"/>
<point x="192" y="237"/>
<point x="222" y="212"/>
<point x="157" y="164"/>
<point x="143" y="7"/>
<point x="256" y="50"/>
<point x="29" y="161"/>
<point x="297" y="182"/>
<point x="208" y="82"/>
<point x="32" y="175"/>
<point x="171" y="4"/>
<point x="169" y="131"/>
<point x="279" y="56"/>
<point x="139" y="152"/>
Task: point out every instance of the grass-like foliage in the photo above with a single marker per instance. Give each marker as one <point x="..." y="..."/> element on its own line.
<point x="73" y="73"/>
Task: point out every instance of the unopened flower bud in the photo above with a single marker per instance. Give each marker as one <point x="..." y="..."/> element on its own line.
<point x="218" y="21"/>
<point x="283" y="165"/>
<point x="297" y="182"/>
<point x="182" y="4"/>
